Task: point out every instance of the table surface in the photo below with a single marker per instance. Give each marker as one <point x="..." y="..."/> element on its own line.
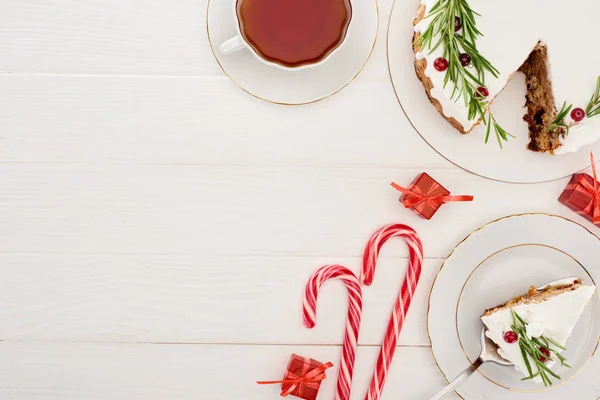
<point x="158" y="224"/>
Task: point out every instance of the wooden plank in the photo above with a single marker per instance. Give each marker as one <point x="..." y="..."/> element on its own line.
<point x="148" y="209"/>
<point x="192" y="299"/>
<point x="172" y="121"/>
<point x="31" y="371"/>
<point x="108" y="37"/>
<point x="136" y="37"/>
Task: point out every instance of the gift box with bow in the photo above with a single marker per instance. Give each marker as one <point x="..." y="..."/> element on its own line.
<point x="302" y="378"/>
<point x="582" y="195"/>
<point x="425" y="195"/>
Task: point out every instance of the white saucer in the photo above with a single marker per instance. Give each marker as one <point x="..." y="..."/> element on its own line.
<point x="513" y="163"/>
<point x="493" y="265"/>
<point x="294" y="87"/>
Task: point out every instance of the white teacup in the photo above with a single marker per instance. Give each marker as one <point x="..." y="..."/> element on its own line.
<point x="239" y="42"/>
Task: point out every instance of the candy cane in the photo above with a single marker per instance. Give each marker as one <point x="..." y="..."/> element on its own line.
<point x="323" y="274"/>
<point x="404" y="297"/>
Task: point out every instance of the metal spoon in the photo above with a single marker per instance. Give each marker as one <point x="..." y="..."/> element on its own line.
<point x="489" y="353"/>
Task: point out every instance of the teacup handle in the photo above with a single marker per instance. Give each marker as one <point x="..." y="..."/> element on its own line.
<point x="232" y="45"/>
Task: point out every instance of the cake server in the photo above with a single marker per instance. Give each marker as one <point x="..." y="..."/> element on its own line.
<point x="489" y="353"/>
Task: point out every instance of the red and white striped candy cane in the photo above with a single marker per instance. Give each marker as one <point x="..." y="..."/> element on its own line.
<point x="322" y="275"/>
<point x="404" y="297"/>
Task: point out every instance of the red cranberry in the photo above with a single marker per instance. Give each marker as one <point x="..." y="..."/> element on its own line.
<point x="465" y="59"/>
<point x="577" y="114"/>
<point x="483" y="92"/>
<point x="510" y="337"/>
<point x="441" y="64"/>
<point x="545" y="352"/>
<point x="457" y="24"/>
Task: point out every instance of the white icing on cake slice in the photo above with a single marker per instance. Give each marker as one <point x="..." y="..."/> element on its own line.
<point x="554" y="318"/>
<point x="512" y="29"/>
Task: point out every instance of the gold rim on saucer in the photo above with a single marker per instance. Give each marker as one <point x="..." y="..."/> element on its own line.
<point x="452" y="253"/>
<point x="284" y="103"/>
<point x="387" y="46"/>
<point x="562" y="382"/>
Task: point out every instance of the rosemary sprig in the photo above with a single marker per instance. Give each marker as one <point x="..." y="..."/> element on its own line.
<point x="559" y="121"/>
<point x="465" y="84"/>
<point x="593" y="107"/>
<point x="530" y="350"/>
<point x="501" y="134"/>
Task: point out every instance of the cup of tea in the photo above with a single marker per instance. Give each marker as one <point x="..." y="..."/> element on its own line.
<point x="290" y="34"/>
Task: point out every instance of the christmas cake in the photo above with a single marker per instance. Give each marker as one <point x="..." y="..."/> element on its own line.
<point x="531" y="330"/>
<point x="467" y="51"/>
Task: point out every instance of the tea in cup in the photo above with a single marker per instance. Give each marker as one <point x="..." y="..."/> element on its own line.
<point x="290" y="34"/>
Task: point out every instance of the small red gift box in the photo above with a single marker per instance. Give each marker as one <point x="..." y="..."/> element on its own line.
<point x="582" y="195"/>
<point x="425" y="195"/>
<point x="300" y="367"/>
<point x="302" y="378"/>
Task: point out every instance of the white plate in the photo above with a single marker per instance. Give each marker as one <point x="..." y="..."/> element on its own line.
<point x="494" y="264"/>
<point x="294" y="87"/>
<point x="513" y="163"/>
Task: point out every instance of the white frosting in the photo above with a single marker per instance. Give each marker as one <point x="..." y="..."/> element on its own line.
<point x="580" y="135"/>
<point x="554" y="318"/>
<point x="535" y="330"/>
<point x="510" y="34"/>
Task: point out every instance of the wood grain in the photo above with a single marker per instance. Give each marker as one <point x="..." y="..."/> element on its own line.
<point x="105" y="37"/>
<point x="192" y="299"/>
<point x="114" y="37"/>
<point x="171" y="120"/>
<point x="157" y="224"/>
<point x="260" y="211"/>
<point x="190" y="372"/>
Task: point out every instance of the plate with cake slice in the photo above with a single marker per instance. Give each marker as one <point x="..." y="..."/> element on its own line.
<point x="530" y="281"/>
<point x="498" y="89"/>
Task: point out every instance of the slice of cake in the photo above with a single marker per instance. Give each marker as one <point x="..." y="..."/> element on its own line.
<point x="466" y="52"/>
<point x="532" y="330"/>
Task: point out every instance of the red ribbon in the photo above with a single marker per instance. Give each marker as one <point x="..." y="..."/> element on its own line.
<point x="416" y="196"/>
<point x="297" y="382"/>
<point x="593" y="190"/>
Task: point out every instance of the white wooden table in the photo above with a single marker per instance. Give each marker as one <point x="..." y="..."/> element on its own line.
<point x="157" y="224"/>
